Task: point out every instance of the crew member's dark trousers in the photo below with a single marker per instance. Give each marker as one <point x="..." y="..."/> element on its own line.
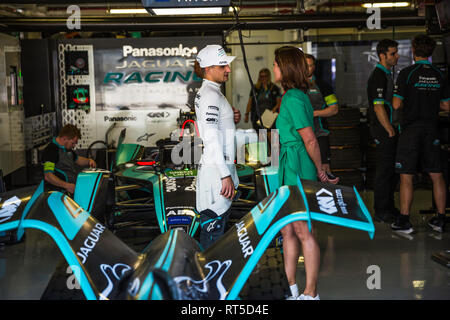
<point x="212" y="228"/>
<point x="386" y="179"/>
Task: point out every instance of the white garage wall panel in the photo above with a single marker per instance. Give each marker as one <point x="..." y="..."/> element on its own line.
<point x="12" y="138"/>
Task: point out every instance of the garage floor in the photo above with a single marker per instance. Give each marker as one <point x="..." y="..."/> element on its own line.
<point x="390" y="266"/>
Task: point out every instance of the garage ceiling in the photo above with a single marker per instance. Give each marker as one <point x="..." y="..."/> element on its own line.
<point x="22" y="15"/>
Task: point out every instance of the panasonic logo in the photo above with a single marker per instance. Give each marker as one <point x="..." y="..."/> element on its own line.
<point x="116" y="119"/>
<point x="326" y="202"/>
<point x="159" y="52"/>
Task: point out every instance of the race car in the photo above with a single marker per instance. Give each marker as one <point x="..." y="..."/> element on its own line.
<point x="150" y="192"/>
<point x="173" y="265"/>
<point x="155" y="186"/>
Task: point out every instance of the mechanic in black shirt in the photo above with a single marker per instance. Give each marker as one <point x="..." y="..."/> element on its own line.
<point x="421" y="91"/>
<point x="380" y="90"/>
<point x="59" y="159"/>
<point x="325" y="104"/>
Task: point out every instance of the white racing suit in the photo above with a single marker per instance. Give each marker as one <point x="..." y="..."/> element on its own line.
<point x="215" y="120"/>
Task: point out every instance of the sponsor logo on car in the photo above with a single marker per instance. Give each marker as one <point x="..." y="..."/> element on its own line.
<point x="113" y="275"/>
<point x="326" y="202"/>
<point x="9" y="207"/>
<point x="90" y="242"/>
<point x="210" y="287"/>
<point x="244" y="241"/>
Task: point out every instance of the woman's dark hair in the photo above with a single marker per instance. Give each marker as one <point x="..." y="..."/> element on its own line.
<point x="293" y="66"/>
<point x="199" y="71"/>
<point x="423" y="46"/>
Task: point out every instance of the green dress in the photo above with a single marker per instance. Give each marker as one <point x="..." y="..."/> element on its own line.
<point x="296" y="113"/>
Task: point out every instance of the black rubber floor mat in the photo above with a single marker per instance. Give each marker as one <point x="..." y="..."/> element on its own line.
<point x="268" y="280"/>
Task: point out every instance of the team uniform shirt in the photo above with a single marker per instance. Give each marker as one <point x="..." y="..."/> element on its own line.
<point x="380" y="91"/>
<point x="321" y="96"/>
<point x="215" y="120"/>
<point x="267" y="99"/>
<point x="296" y="113"/>
<point x="421" y="87"/>
<point x="60" y="161"/>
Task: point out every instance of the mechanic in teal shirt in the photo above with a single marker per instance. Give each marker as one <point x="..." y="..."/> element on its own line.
<point x="59" y="159"/>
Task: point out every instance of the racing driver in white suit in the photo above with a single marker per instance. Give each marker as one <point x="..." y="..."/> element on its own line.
<point x="217" y="179"/>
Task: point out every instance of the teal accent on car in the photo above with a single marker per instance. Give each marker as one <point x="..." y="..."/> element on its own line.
<point x="86" y="188"/>
<point x="126" y="152"/>
<point x="264" y="216"/>
<point x="70" y="222"/>
<point x="36" y="194"/>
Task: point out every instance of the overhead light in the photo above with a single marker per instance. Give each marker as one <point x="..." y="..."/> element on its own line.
<point x="186" y="11"/>
<point x="418" y="284"/>
<point x="386" y="5"/>
<point x="171" y="11"/>
<point x="186" y="7"/>
<point x="128" y="11"/>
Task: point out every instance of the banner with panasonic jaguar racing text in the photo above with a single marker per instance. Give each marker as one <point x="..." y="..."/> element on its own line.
<point x="142" y="84"/>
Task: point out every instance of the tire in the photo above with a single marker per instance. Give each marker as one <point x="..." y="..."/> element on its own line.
<point x="345" y="137"/>
<point x="370" y="178"/>
<point x="343" y="157"/>
<point x="346" y="117"/>
<point x="371" y="156"/>
<point x="350" y="178"/>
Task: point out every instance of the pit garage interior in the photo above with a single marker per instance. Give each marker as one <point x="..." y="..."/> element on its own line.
<point x="61" y="62"/>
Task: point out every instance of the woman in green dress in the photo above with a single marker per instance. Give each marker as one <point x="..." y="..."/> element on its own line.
<point x="299" y="156"/>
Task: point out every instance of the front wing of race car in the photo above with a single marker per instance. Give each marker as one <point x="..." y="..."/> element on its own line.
<point x="173" y="266"/>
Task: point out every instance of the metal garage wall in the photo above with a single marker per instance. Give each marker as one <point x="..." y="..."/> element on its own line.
<point x="354" y="61"/>
<point x="256" y="60"/>
<point x="259" y="49"/>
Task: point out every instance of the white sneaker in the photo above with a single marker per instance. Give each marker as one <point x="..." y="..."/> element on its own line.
<point x="292" y="298"/>
<point x="306" y="297"/>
